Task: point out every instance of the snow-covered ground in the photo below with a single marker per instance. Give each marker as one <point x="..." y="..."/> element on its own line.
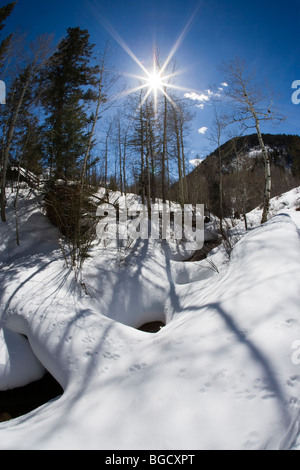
<point x="222" y="374"/>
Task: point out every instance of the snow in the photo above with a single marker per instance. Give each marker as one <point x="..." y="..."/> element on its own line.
<point x="219" y="375"/>
<point x="195" y="161"/>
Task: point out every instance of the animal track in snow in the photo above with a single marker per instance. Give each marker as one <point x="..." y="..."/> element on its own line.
<point x="137" y="367"/>
<point x="109" y="355"/>
<point x="292" y="381"/>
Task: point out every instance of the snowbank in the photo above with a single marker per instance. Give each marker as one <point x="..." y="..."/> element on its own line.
<point x="220" y="375"/>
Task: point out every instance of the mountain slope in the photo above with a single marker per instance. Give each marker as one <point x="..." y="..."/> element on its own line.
<point x="243" y="173"/>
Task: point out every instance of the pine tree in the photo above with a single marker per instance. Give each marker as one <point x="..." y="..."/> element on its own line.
<point x="5" y="11"/>
<point x="64" y="97"/>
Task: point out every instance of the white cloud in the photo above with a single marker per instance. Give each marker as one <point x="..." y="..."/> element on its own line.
<point x="224" y="84"/>
<point x="205" y="96"/>
<point x="202" y="130"/>
<point x="197" y="97"/>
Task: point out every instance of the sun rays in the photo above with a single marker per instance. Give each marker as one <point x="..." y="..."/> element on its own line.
<point x="155" y="80"/>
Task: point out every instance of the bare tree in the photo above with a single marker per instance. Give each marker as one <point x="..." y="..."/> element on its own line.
<point x="216" y="136"/>
<point x="252" y="107"/>
<point x="39" y="52"/>
<point x="242" y="189"/>
<point x="179" y="117"/>
<point x="142" y="146"/>
<point x="176" y="118"/>
<point x="118" y="142"/>
<point x="164" y="150"/>
<point x="107" y="137"/>
<point x="102" y="102"/>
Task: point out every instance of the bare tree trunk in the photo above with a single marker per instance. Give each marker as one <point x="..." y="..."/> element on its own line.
<point x="185" y="188"/>
<point x="164" y="153"/>
<point x="241" y="183"/>
<point x="28" y="74"/>
<point x="268" y="181"/>
<point x="16" y="206"/>
<point x="120" y="157"/>
<point x="7" y="147"/>
<point x="179" y="161"/>
<point x="106" y="160"/>
<point x="142" y="151"/>
<point x="221" y="189"/>
<point x="149" y="154"/>
<point x="124" y="161"/>
<point x="219" y="126"/>
<point x="17" y="192"/>
<point x="168" y="180"/>
<point x="267" y="162"/>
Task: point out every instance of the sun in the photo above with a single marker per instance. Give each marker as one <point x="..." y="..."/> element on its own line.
<point x="155" y="81"/>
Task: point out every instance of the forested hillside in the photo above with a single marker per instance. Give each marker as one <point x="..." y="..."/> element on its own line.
<point x="242" y="172"/>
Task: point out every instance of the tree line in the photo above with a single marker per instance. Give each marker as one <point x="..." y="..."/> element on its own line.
<point x="59" y="121"/>
<point x="56" y="122"/>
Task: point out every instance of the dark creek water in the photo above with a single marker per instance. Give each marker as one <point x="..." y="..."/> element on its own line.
<point x="152" y="327"/>
<point x="19" y="401"/>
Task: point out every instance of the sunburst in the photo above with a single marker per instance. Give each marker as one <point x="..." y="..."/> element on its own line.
<point x="156" y="80"/>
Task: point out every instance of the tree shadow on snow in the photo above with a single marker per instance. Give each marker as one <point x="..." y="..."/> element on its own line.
<point x="257" y="355"/>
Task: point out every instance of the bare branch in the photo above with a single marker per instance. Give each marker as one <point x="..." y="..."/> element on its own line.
<point x="250" y="104"/>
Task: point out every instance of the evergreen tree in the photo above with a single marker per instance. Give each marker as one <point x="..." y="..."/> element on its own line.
<point x="5" y="11"/>
<point x="66" y="81"/>
<point x="29" y="147"/>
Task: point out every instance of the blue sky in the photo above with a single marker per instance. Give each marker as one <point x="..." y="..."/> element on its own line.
<point x="263" y="32"/>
